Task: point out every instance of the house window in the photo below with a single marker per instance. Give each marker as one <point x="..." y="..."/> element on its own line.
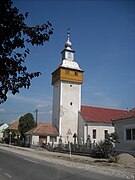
<point x="94" y="133"/>
<point x="70" y="85"/>
<point x="105" y="133"/>
<point x="71" y="103"/>
<point x="133" y="134"/>
<point x="130" y="134"/>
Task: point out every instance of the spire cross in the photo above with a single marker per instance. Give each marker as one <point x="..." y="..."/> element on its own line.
<point x="68" y="33"/>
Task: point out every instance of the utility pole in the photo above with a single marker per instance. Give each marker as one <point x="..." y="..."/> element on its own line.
<point x="36" y="116"/>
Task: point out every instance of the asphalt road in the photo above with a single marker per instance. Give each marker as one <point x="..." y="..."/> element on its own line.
<point x="18" y="167"/>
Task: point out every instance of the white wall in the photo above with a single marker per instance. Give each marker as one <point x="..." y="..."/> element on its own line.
<point x="80" y="129"/>
<point x="100" y="130"/>
<point x="2" y="128"/>
<point x="35" y="140"/>
<point x="70" y="105"/>
<point x="120" y="128"/>
<point x="85" y="129"/>
<point x="56" y="104"/>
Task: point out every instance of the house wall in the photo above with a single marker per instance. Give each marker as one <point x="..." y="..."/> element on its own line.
<point x="100" y="131"/>
<point x="120" y="128"/>
<point x="85" y="129"/>
<point x="35" y="140"/>
<point x="28" y="140"/>
<point x="2" y="128"/>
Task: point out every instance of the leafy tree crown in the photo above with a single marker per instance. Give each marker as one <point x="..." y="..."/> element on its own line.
<point x="15" y="35"/>
<point x="26" y="123"/>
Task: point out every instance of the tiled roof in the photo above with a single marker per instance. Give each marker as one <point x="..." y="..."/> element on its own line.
<point x="14" y="125"/>
<point x="129" y="114"/>
<point x="99" y="114"/>
<point x="43" y="129"/>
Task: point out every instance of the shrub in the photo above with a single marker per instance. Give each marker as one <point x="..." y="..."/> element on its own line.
<point x="105" y="148"/>
<point x="113" y="159"/>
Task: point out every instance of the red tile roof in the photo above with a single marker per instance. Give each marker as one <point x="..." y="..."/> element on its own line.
<point x="99" y="114"/>
<point x="129" y="114"/>
<point x="14" y="126"/>
<point x="43" y="129"/>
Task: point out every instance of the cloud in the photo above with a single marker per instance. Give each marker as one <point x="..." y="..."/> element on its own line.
<point x="42" y="105"/>
<point x="98" y="94"/>
<point x="45" y="112"/>
<point x="30" y="100"/>
<point x="2" y="110"/>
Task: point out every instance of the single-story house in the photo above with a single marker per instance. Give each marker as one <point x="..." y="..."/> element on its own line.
<point x="125" y="128"/>
<point x="43" y="133"/>
<point x="96" y="123"/>
<point x="3" y="126"/>
<point x="12" y="132"/>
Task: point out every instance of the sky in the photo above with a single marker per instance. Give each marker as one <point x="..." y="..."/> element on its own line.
<point x="102" y="33"/>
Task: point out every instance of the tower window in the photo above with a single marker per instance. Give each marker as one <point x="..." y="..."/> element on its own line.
<point x="67" y="71"/>
<point x="76" y="73"/>
<point x="71" y="103"/>
<point x="70" y="85"/>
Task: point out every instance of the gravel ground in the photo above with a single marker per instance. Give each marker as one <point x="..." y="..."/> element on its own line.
<point x="125" y="171"/>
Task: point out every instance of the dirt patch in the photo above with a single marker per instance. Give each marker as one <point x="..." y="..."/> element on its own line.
<point x="126" y="159"/>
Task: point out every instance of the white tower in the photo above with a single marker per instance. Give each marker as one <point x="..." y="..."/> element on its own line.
<point x="66" y="81"/>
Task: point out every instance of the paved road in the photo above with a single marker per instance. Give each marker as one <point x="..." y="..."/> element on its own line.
<point x="18" y="167"/>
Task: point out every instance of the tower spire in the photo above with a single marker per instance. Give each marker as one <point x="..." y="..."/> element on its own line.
<point x="68" y="43"/>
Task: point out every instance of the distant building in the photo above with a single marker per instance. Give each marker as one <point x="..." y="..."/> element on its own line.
<point x="3" y="126"/>
<point x="13" y="126"/>
<point x="42" y="134"/>
<point x="12" y="131"/>
<point x="125" y="128"/>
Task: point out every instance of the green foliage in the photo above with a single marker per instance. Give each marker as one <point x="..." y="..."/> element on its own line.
<point x="14" y="132"/>
<point x="105" y="148"/>
<point x="26" y="123"/>
<point x="15" y="35"/>
<point x="113" y="159"/>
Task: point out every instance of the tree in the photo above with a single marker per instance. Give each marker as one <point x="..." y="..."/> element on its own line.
<point x="15" y="35"/>
<point x="26" y="123"/>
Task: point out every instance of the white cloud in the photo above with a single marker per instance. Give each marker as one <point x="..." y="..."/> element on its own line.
<point x="30" y="100"/>
<point x="42" y="105"/>
<point x="2" y="110"/>
<point x="97" y="93"/>
<point x="45" y="112"/>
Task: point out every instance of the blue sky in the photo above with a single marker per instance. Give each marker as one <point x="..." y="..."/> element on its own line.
<point x="103" y="37"/>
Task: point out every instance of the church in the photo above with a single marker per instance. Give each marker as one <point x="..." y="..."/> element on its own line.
<point x="69" y="118"/>
<point x="68" y="115"/>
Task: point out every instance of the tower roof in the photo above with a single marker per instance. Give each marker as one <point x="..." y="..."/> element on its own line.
<point x="68" y="43"/>
<point x="68" y="60"/>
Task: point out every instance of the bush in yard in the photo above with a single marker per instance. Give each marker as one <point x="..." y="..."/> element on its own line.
<point x="105" y="148"/>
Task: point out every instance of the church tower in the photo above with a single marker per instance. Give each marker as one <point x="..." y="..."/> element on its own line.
<point x="66" y="81"/>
